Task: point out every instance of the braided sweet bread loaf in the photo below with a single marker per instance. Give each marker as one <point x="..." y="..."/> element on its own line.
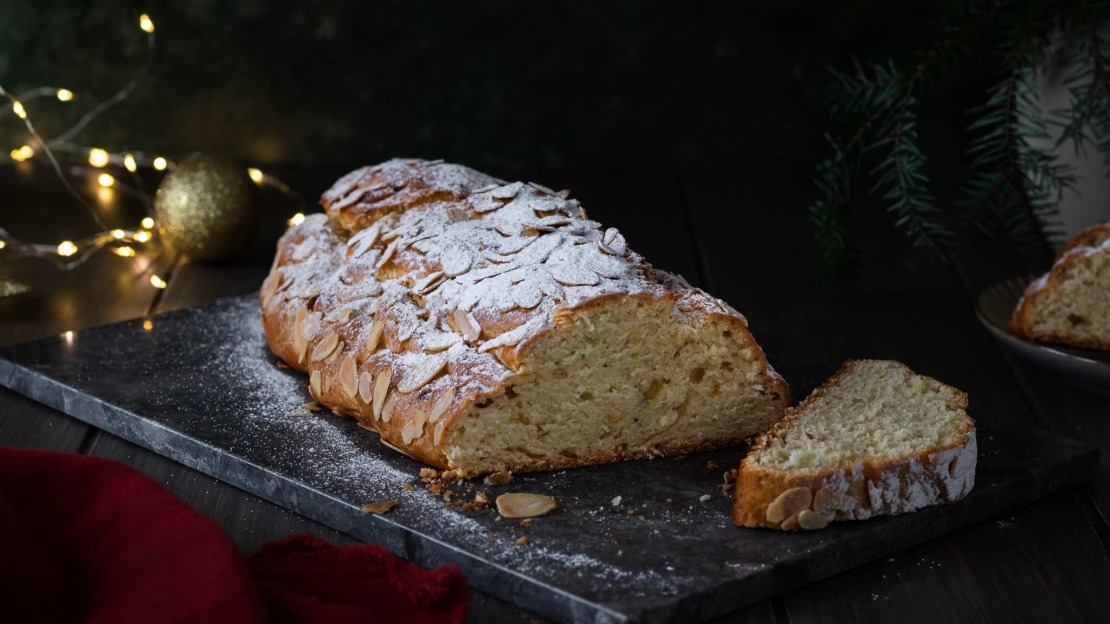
<point x="482" y="326"/>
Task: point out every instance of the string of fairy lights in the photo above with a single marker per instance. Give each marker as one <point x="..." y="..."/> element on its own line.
<point x="69" y="254"/>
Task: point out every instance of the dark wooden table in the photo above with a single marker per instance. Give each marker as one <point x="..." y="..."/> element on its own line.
<point x="747" y="244"/>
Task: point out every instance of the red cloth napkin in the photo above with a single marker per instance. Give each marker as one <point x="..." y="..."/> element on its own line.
<point x="84" y="539"/>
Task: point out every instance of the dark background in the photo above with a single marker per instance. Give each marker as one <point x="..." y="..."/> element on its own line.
<point x="731" y="90"/>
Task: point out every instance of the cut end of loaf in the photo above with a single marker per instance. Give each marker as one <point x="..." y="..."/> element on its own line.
<point x="623" y="382"/>
<point x="875" y="439"/>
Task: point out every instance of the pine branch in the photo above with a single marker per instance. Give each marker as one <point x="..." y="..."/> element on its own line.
<point x="886" y="98"/>
<point x="1018" y="186"/>
<point x="907" y="187"/>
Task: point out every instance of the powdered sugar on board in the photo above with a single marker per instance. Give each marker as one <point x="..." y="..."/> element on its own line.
<point x="245" y="400"/>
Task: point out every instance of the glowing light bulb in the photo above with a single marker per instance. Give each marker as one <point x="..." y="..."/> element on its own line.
<point x="126" y="252"/>
<point x="65" y="95"/>
<point x="67" y="248"/>
<point x="148" y="222"/>
<point x="256" y="175"/>
<point x="159" y="163"/>
<point x="296" y="219"/>
<point x="98" y="157"/>
<point x="106" y="180"/>
<point x="118" y="233"/>
<point x="23" y="153"/>
<point x="3" y="244"/>
<point x="142" y="237"/>
<point x="148" y="325"/>
<point x="157" y="282"/>
<point x="129" y="163"/>
<point x="68" y="336"/>
<point x="146" y="23"/>
<point x="17" y="107"/>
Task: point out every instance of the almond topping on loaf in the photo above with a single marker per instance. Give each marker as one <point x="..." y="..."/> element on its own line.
<point x="875" y="439"/>
<point x="527" y="335"/>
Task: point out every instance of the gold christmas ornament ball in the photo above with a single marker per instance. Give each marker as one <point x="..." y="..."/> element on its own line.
<point x="208" y="207"/>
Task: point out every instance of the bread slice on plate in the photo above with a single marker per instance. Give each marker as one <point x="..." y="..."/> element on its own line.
<point x="1070" y="305"/>
<point x="875" y="439"/>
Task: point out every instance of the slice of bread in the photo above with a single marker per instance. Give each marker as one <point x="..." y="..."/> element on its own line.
<point x="1071" y="304"/>
<point x="875" y="439"/>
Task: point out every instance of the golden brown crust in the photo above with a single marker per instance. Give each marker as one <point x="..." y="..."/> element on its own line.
<point x="1090" y="237"/>
<point x="1070" y="256"/>
<point x="864" y="488"/>
<point x="322" y="270"/>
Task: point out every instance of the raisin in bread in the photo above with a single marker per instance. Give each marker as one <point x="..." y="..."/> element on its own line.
<point x="874" y="439"/>
<point x="482" y="326"/>
<point x="1071" y="304"/>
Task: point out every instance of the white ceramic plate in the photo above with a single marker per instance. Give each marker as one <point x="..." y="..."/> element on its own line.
<point x="994" y="308"/>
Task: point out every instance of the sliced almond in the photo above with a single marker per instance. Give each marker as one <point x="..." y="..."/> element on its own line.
<point x="314" y="381"/>
<point x="811" y="520"/>
<point x="312" y="406"/>
<point x="788" y="504"/>
<point x="345" y="315"/>
<point x="366" y="387"/>
<point x="386" y="256"/>
<point x="324" y="348"/>
<point x="455" y="261"/>
<point x="519" y="505"/>
<point x="527" y="294"/>
<point x="387" y="409"/>
<point x="348" y="376"/>
<point x="790" y="524"/>
<point x="381" y="388"/>
<point x="299" y="342"/>
<point x="437" y="437"/>
<point x="423" y="372"/>
<point x="439" y="342"/>
<point x="375" y="336"/>
<point x="379" y="507"/>
<point x="442" y="404"/>
<point x="512" y="337"/>
<point x="362" y="242"/>
<point x="415" y="428"/>
<point x="467" y="324"/>
<point x="427" y="283"/>
<point x="570" y="275"/>
<point x="508" y="191"/>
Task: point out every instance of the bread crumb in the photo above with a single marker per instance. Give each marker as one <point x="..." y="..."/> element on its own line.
<point x="631" y="512"/>
<point x="616" y="501"/>
<point x="704" y="497"/>
<point x="429" y="473"/>
<point x="523" y="541"/>
<point x="480" y="497"/>
<point x="408" y="487"/>
<point x="526" y="523"/>
<point x="645" y="505"/>
<point x="499" y="478"/>
<point x="711" y="466"/>
<point x="670" y="500"/>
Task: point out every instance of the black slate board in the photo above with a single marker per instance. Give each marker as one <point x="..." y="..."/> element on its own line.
<point x="201" y="387"/>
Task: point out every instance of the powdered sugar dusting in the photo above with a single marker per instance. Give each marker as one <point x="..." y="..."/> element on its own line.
<point x="474" y="263"/>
